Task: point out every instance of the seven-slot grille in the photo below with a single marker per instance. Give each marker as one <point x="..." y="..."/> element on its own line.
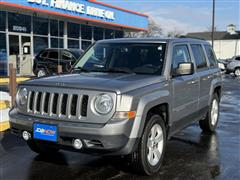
<point x="71" y="106"/>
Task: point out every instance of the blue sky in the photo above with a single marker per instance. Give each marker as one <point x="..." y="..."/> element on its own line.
<point x="185" y="15"/>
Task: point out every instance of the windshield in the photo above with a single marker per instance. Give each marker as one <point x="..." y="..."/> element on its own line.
<point x="139" y="58"/>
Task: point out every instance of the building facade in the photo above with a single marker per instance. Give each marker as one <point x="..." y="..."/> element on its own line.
<point x="29" y="26"/>
<point x="226" y="43"/>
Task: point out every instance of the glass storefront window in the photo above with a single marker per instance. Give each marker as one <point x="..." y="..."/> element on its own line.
<point x="86" y="32"/>
<point x="73" y="43"/>
<point x="56" y="28"/>
<point x="40" y="26"/>
<point x="3" y="55"/>
<point x="19" y="23"/>
<point x="56" y="43"/>
<point x="86" y="44"/>
<point x="119" y="34"/>
<point x="73" y="30"/>
<point x="98" y="33"/>
<point x="109" y="34"/>
<point x="39" y="43"/>
<point x="2" y="21"/>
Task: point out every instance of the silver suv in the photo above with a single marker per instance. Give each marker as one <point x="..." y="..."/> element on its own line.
<point x="234" y="66"/>
<point x="124" y="97"/>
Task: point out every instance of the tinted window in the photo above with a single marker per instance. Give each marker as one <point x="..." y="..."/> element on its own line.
<point x="237" y="58"/>
<point x="86" y="32"/>
<point x="142" y="58"/>
<point x="56" y="43"/>
<point x="109" y="34"/>
<point x="199" y="56"/>
<point x="210" y="55"/>
<point x="40" y="26"/>
<point x="2" y="21"/>
<point x="3" y="55"/>
<point x="53" y="55"/>
<point x="86" y="44"/>
<point x="119" y="34"/>
<point x="180" y="55"/>
<point x="40" y="43"/>
<point x="98" y="33"/>
<point x="73" y="30"/>
<point x="44" y="54"/>
<point x="73" y="44"/>
<point x="56" y="28"/>
<point x="19" y="23"/>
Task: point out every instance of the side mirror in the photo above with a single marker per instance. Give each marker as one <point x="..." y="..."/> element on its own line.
<point x="185" y="68"/>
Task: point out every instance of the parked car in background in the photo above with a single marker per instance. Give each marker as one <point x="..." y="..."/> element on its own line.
<point x="234" y="66"/>
<point x="46" y="61"/>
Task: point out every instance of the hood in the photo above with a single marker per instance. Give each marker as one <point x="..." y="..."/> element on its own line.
<point x="116" y="82"/>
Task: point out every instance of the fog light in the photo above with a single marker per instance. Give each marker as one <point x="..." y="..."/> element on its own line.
<point x="77" y="144"/>
<point x="26" y="135"/>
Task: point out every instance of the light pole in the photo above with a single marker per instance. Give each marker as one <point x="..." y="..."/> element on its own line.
<point x="213" y="22"/>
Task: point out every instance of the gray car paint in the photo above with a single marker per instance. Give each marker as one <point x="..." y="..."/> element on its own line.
<point x="184" y="95"/>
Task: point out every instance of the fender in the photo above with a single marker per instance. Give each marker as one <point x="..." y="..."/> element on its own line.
<point x="145" y="104"/>
<point x="216" y="82"/>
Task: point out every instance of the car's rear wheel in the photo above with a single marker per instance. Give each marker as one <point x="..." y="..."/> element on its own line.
<point x="41" y="72"/>
<point x="237" y="72"/>
<point x="147" y="159"/>
<point x="41" y="148"/>
<point x="209" y="124"/>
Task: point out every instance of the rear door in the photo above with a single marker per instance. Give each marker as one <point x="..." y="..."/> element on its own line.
<point x="203" y="74"/>
<point x="185" y="89"/>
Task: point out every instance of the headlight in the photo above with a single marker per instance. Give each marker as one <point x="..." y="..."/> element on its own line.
<point x="103" y="104"/>
<point x="221" y="66"/>
<point x="22" y="96"/>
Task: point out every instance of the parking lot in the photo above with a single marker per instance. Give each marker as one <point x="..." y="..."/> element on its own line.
<point x="189" y="155"/>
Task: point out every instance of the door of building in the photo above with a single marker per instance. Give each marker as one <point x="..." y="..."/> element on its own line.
<point x="20" y="53"/>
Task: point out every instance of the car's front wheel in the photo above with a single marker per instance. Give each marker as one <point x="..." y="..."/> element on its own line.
<point x="149" y="156"/>
<point x="237" y="72"/>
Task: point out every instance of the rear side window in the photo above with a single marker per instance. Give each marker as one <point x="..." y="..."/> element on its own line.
<point x="210" y="55"/>
<point x="199" y="56"/>
<point x="180" y="55"/>
<point x="237" y="58"/>
<point x="44" y="54"/>
<point x="53" y="55"/>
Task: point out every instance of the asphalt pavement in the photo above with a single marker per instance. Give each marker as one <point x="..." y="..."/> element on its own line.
<point x="189" y="155"/>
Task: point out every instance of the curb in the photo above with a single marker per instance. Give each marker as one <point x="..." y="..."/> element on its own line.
<point x="4" y="126"/>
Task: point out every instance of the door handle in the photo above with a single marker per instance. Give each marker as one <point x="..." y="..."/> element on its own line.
<point x="210" y="76"/>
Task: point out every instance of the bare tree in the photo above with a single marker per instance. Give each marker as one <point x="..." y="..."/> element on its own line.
<point x="175" y="33"/>
<point x="154" y="30"/>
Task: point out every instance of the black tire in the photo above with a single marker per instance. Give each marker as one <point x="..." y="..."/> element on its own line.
<point x="206" y="124"/>
<point x="41" y="148"/>
<point x="236" y="72"/>
<point x="40" y="71"/>
<point x="138" y="160"/>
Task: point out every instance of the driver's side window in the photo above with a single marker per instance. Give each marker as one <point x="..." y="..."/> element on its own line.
<point x="180" y="55"/>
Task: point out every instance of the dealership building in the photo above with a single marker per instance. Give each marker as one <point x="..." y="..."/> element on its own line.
<point x="29" y="26"/>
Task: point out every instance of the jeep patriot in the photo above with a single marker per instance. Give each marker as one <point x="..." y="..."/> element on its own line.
<point x="123" y="97"/>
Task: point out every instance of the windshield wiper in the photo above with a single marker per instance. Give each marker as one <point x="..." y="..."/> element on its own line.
<point x="119" y="70"/>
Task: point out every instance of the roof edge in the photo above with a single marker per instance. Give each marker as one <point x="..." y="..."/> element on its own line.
<point x="71" y="16"/>
<point x="118" y="8"/>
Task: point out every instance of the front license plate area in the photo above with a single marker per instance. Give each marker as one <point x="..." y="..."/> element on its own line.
<point x="45" y="132"/>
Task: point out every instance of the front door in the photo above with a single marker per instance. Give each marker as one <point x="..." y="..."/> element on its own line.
<point x="20" y="53"/>
<point x="185" y="89"/>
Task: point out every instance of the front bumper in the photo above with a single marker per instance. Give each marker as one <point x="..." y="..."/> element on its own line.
<point x="111" y="138"/>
